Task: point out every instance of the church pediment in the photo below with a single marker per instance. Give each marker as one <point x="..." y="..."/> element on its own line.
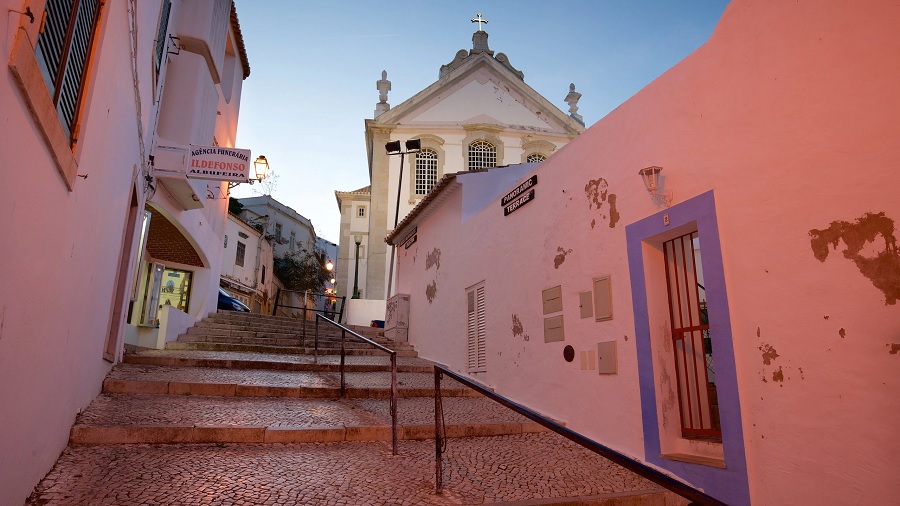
<point x="481" y="90"/>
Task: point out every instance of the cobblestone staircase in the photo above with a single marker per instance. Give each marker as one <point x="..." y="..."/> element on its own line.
<point x="240" y="411"/>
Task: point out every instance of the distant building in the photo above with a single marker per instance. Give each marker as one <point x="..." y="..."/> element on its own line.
<point x="291" y="232"/>
<point x="247" y="264"/>
<point x="480" y="113"/>
<point x="737" y="323"/>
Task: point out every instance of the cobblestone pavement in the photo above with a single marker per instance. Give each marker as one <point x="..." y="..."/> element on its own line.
<point x="476" y="471"/>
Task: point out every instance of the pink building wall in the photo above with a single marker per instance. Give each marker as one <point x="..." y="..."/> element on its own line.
<point x="66" y="250"/>
<point x="780" y="135"/>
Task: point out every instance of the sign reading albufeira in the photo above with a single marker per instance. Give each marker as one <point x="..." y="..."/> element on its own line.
<point x="221" y="164"/>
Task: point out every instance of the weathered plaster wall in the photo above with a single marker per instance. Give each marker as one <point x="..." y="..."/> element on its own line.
<point x="788" y="115"/>
<point x="62" y="248"/>
<point x="60" y="253"/>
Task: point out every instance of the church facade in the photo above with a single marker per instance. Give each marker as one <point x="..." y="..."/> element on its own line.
<point x="479" y="114"/>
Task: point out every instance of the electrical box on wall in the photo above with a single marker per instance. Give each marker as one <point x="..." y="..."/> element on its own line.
<point x="606" y="358"/>
<point x="603" y="309"/>
<point x="396" y="321"/>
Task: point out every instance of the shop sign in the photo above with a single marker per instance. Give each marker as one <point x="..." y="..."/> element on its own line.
<point x="218" y="163"/>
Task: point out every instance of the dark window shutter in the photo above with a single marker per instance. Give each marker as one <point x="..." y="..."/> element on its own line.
<point x="63" y="52"/>
<point x="161" y="35"/>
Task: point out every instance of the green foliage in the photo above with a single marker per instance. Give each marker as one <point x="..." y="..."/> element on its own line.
<point x="302" y="270"/>
<point x="235" y="207"/>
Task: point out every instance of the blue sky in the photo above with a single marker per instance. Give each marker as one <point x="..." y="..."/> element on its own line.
<point x="314" y="66"/>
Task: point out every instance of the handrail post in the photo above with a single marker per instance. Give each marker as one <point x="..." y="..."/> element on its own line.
<point x="343" y="335"/>
<point x="438" y="416"/>
<point x="394" y="400"/>
<point x="317" y="332"/>
<point x="275" y="307"/>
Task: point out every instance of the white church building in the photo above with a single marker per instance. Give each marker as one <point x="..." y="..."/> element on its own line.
<point x="479" y="114"/>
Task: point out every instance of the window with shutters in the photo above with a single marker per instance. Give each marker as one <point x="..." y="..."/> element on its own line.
<point x="63" y="55"/>
<point x="426" y="171"/>
<point x="476" y="329"/>
<point x="239" y="255"/>
<point x="161" y="35"/>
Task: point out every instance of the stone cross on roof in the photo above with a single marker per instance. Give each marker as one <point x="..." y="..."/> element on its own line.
<point x="478" y="19"/>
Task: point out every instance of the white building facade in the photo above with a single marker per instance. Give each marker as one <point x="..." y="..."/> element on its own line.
<point x="247" y="264"/>
<point x="480" y="113"/>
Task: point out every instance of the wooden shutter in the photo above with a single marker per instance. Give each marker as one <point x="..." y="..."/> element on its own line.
<point x="161" y="34"/>
<point x="476" y="329"/>
<point x="63" y="51"/>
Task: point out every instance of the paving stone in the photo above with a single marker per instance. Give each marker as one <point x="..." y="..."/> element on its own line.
<point x="476" y="471"/>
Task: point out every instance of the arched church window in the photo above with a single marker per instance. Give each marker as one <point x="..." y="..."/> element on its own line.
<point x="482" y="154"/>
<point x="426" y="170"/>
<point x="535" y="158"/>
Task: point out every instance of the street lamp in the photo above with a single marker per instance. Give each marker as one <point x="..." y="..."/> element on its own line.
<point x="260" y="169"/>
<point x="358" y="239"/>
<point x="393" y="148"/>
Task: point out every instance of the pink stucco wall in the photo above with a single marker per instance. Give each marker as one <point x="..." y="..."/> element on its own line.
<point x="61" y="248"/>
<point x="788" y="116"/>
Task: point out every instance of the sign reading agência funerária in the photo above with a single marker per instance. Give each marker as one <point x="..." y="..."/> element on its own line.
<point x="218" y="163"/>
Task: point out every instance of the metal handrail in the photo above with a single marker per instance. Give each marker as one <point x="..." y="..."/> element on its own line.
<point x="392" y="353"/>
<point x="339" y="314"/>
<point x="671" y="484"/>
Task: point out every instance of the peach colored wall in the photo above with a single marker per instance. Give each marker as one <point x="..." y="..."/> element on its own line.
<point x="788" y="114"/>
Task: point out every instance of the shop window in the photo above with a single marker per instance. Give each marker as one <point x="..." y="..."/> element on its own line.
<point x="175" y="290"/>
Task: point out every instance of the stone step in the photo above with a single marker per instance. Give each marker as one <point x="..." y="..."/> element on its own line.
<point x="180" y="345"/>
<point x="272" y="341"/>
<point x="151" y="379"/>
<point x="143" y="418"/>
<point x="329" y="366"/>
<point x="350" y="342"/>
<point x="285" y="325"/>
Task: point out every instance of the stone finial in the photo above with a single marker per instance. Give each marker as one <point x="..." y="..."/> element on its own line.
<point x="572" y="99"/>
<point x="383" y="86"/>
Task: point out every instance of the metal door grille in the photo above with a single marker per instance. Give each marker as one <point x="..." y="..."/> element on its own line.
<point x="697" y="398"/>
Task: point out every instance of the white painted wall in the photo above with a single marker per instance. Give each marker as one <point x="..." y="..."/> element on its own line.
<point x="783" y="115"/>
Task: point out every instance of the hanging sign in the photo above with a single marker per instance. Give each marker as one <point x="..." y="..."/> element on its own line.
<point x="518" y="198"/>
<point x="218" y="163"/>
